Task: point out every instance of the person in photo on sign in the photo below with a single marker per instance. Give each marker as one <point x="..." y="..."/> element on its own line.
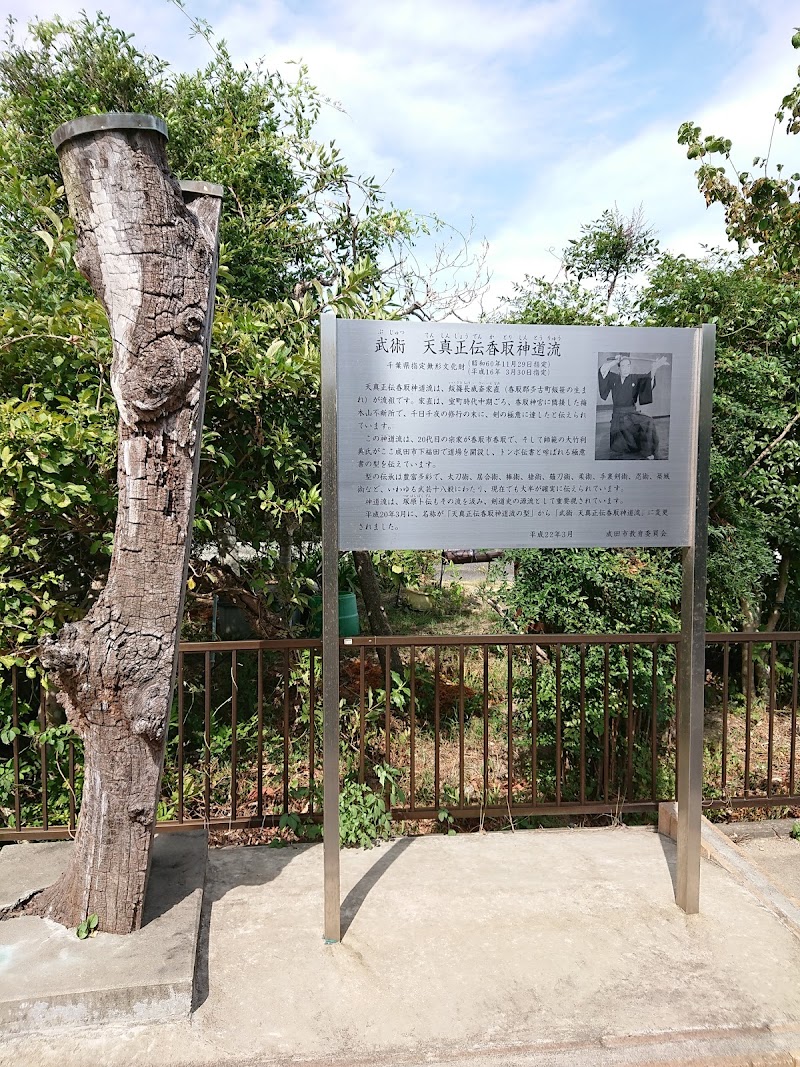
<point x="632" y="434"/>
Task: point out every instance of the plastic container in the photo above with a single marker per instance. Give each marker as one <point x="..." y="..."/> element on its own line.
<point x="348" y="615"/>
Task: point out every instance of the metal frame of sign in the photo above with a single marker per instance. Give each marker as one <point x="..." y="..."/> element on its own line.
<point x="692" y="644"/>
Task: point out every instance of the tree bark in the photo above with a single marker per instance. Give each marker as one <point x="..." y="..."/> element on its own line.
<point x="150" y="256"/>
<point x="376" y="613"/>
<point x="780" y="593"/>
<point x="471" y="555"/>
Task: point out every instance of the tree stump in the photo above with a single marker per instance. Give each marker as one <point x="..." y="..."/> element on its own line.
<point x="149" y="251"/>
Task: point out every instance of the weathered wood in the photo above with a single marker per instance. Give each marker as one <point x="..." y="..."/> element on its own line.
<point x="373" y="604"/>
<point x="150" y="256"/>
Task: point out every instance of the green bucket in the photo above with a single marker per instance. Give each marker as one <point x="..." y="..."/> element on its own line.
<point x="348" y="616"/>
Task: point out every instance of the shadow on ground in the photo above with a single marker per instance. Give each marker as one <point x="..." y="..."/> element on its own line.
<point x="670" y="858"/>
<point x="358" y="894"/>
<point x="240" y="866"/>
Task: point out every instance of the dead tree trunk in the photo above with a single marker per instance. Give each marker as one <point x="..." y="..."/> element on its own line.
<point x="376" y="613"/>
<point x="149" y="253"/>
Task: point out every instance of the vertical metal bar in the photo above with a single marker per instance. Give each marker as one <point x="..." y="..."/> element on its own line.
<point x="330" y="630"/>
<point x="413" y="768"/>
<point x="629" y="733"/>
<point x="436" y="715"/>
<point x="558" y="724"/>
<point x="461" y="725"/>
<point x="771" y="728"/>
<point x="312" y="729"/>
<point x="583" y="725"/>
<point x="362" y="716"/>
<point x="793" y="742"/>
<point x="485" y="723"/>
<point x="654" y="728"/>
<point x="15" y="747"/>
<point x="510" y="715"/>
<point x="180" y="736"/>
<point x="260" y="723"/>
<point x="234" y="734"/>
<point x="693" y="627"/>
<point x="207" y="736"/>
<point x="677" y="719"/>
<point x="535" y="726"/>
<point x="748" y="702"/>
<point x="606" y="727"/>
<point x="43" y="749"/>
<point x="726" y="660"/>
<point x="285" y="730"/>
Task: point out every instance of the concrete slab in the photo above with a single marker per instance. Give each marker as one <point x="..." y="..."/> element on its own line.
<point x="50" y="978"/>
<point x="26" y="867"/>
<point x="744" y="831"/>
<point x="556" y="947"/>
<point x="779" y="858"/>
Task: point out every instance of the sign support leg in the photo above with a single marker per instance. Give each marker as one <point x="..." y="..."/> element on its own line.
<point x="691" y="681"/>
<point x="330" y="634"/>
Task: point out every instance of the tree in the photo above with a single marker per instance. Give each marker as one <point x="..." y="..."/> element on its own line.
<point x="569" y="591"/>
<point x="755" y="301"/>
<point x="150" y="255"/>
<point x="609" y="252"/>
<point x="599" y="268"/>
<point x="762" y="210"/>
<point x="292" y="239"/>
<point x="753" y="537"/>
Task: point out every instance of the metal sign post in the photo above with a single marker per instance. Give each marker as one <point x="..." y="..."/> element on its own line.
<point x="691" y="681"/>
<point x="330" y="633"/>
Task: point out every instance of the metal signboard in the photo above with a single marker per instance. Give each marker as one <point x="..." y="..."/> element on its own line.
<point x="487" y="436"/>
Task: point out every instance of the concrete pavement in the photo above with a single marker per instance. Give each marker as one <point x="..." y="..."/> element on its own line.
<point x="49" y="978"/>
<point x="779" y="858"/>
<point x="540" y="947"/>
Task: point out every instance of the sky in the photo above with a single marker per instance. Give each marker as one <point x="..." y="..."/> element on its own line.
<point x="514" y="120"/>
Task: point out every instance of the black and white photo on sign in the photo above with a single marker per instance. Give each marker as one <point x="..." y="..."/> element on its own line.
<point x="633" y="405"/>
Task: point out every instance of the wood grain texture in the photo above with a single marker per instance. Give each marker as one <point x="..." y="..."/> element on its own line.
<point x="151" y="259"/>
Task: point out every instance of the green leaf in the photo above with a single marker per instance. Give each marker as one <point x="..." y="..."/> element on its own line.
<point x="48" y="240"/>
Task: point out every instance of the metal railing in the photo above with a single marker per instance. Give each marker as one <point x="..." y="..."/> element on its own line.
<point x="475" y="726"/>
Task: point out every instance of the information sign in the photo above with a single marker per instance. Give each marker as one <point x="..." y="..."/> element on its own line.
<point x="492" y="436"/>
<point x="467" y="436"/>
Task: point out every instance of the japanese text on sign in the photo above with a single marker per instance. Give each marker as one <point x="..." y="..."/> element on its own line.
<point x="489" y="436"/>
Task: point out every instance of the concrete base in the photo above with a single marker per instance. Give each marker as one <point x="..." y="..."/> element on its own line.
<point x="668" y="826"/>
<point x="775" y="893"/>
<point x="49" y="978"/>
<point x="554" y="948"/>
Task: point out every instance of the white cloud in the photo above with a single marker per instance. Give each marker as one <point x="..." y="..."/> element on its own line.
<point x="422" y="82"/>
<point x="650" y="168"/>
<point x="531" y="116"/>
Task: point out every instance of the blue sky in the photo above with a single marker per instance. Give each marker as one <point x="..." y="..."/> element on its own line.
<point x="524" y="118"/>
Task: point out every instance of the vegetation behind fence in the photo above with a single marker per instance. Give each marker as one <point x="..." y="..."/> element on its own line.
<point x="472" y="727"/>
